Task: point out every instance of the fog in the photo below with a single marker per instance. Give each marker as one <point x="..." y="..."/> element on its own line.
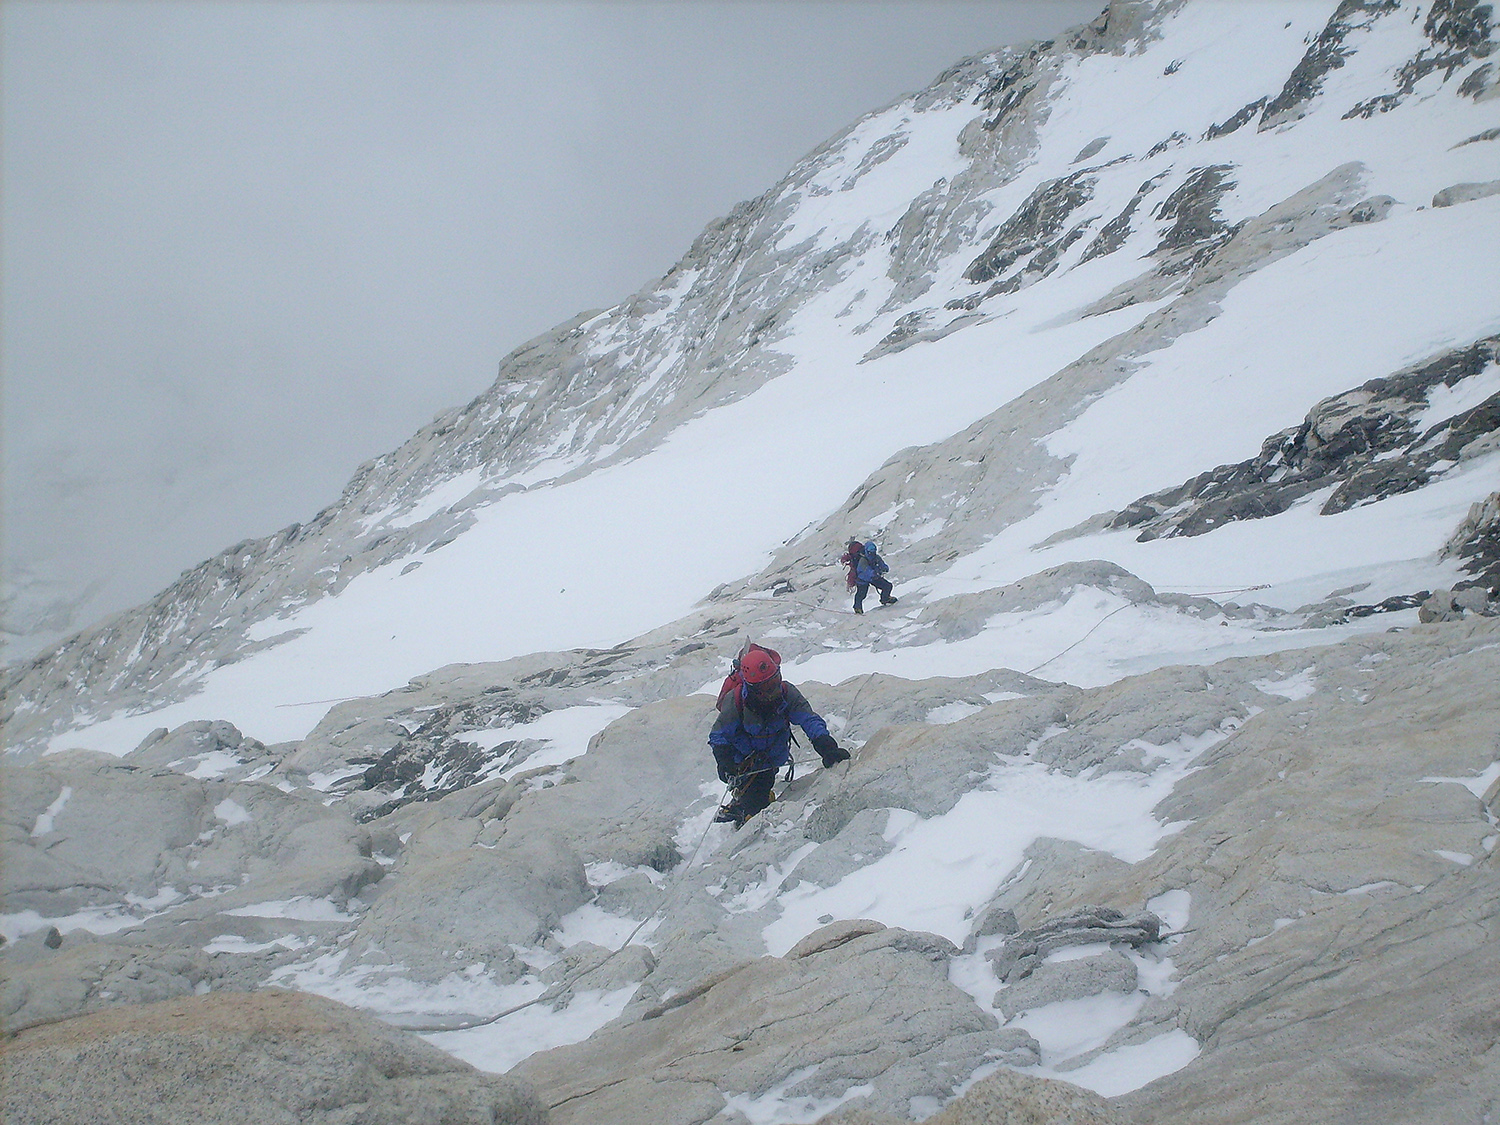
<point x="248" y="246"/>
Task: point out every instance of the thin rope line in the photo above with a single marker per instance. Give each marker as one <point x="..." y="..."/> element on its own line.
<point x="1080" y="640"/>
<point x="1211" y="593"/>
<point x="562" y="985"/>
<point x="315" y="702"/>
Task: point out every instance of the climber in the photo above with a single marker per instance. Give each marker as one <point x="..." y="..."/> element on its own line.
<point x="865" y="570"/>
<point x="751" y="738"/>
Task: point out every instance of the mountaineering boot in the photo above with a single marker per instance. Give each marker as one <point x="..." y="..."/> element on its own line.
<point x="859" y="609"/>
<point x="728" y="814"/>
<point x="889" y="601"/>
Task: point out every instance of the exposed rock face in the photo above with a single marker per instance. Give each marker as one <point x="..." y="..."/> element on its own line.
<point x="1300" y="996"/>
<point x="1477" y="542"/>
<point x="1365" y="445"/>
<point x="1458" y="32"/>
<point x="1268" y="880"/>
<point x="874" y="1009"/>
<point x="1003" y="1098"/>
<point x="265" y="1057"/>
<point x="1324" y="859"/>
<point x="1025" y="952"/>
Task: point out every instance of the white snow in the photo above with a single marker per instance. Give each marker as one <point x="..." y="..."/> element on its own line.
<point x="952" y="712"/>
<point x="594" y="924"/>
<point x="231" y="812"/>
<point x="1296" y="686"/>
<point x="107" y="919"/>
<point x="566" y="731"/>
<point x="233" y="943"/>
<point x="302" y="908"/>
<point x="1130" y="1067"/>
<point x="501" y="1045"/>
<point x="1444" y="402"/>
<point x="1094" y="637"/>
<point x="213" y="765"/>
<point x="1479" y="785"/>
<point x="1172" y="907"/>
<point x="448" y="493"/>
<point x="941" y="871"/>
<point x="1067" y="1028"/>
<point x="774" y="1107"/>
<point x="44" y="820"/>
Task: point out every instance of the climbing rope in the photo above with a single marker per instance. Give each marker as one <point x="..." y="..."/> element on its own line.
<point x="568" y="981"/>
<point x="1080" y="640"/>
<point x="1192" y="592"/>
<point x="674" y="884"/>
<point x="315" y="702"/>
<point x="796" y="601"/>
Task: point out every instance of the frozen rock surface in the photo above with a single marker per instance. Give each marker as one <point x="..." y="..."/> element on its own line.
<point x="1174" y="773"/>
<point x="1003" y="1098"/>
<point x="265" y="1057"/>
<point x="876" y="1009"/>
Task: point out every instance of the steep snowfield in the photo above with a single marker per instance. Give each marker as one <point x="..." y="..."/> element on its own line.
<point x="981" y="326"/>
<point x="604" y="557"/>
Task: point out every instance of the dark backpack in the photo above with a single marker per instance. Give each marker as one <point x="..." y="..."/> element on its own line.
<point x="734" y="680"/>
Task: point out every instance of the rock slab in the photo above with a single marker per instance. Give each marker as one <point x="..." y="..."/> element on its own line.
<point x="264" y="1058"/>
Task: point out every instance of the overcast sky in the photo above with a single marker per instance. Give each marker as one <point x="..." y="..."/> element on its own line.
<point x="248" y="246"/>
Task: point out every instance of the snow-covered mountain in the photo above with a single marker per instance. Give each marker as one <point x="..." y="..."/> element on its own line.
<point x="1163" y="361"/>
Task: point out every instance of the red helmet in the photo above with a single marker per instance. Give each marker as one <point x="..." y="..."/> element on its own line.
<point x="758" y="666"/>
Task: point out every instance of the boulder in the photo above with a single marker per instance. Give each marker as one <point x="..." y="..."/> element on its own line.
<point x="1003" y="1098"/>
<point x="265" y="1058"/>
<point x="1465" y="193"/>
<point x="856" y="1007"/>
<point x="1054" y="981"/>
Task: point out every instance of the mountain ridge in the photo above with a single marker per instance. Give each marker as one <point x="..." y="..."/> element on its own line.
<point x="1174" y="773"/>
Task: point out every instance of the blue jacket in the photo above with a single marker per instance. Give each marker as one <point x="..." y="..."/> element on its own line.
<point x="744" y="730"/>
<point x="869" y="564"/>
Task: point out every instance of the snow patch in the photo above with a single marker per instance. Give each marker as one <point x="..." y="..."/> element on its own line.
<point x="774" y="1107"/>
<point x="231" y="812"/>
<point x="302" y="908"/>
<point x="1298" y="686"/>
<point x="44" y="820"/>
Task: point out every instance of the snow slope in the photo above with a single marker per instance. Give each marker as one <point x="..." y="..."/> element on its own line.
<point x="592" y="560"/>
<point x="981" y="325"/>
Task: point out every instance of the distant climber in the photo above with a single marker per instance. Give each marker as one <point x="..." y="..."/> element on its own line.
<point x="751" y="739"/>
<point x="866" y="568"/>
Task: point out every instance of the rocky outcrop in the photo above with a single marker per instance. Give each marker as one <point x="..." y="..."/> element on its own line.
<point x="109" y="856"/>
<point x="1002" y="1098"/>
<point x="1283" y="897"/>
<point x="1327" y="53"/>
<point x="260" y="1058"/>
<point x="1376" y="441"/>
<point x="874" y="1011"/>
<point x="1458" y="33"/>
<point x="1329" y="845"/>
<point x="1477" y="542"/>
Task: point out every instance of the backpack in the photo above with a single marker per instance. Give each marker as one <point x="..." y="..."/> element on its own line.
<point x="734" y="680"/>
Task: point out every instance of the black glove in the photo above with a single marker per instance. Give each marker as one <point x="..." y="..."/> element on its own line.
<point x="725" y="764"/>
<point x="829" y="750"/>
